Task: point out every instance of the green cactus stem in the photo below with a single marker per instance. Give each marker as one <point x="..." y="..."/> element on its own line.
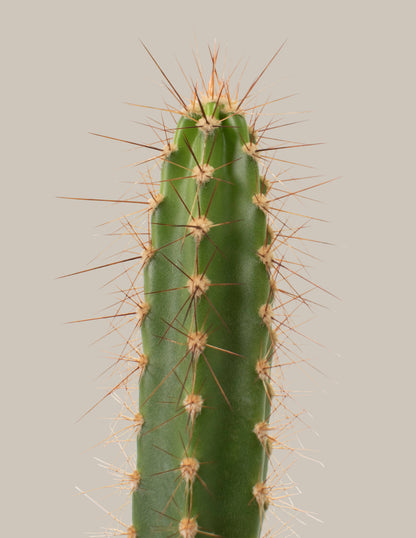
<point x="206" y="331"/>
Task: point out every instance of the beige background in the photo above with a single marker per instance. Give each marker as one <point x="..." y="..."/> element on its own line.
<point x="66" y="69"/>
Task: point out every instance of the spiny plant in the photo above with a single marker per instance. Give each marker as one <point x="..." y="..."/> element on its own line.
<point x="213" y="288"/>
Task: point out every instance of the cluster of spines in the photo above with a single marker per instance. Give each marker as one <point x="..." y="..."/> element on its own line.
<point x="274" y="313"/>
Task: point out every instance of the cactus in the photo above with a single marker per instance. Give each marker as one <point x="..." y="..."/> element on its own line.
<point x="206" y="325"/>
<point x="214" y="317"/>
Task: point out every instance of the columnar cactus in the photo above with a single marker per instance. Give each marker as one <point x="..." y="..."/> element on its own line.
<point x="207" y="327"/>
<point x="214" y="317"/>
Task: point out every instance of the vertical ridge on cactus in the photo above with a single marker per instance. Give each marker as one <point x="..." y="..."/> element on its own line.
<point x="220" y="265"/>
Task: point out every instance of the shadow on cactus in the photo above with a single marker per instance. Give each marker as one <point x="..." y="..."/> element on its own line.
<point x="214" y="282"/>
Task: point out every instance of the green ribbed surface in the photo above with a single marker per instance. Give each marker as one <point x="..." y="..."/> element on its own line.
<point x="221" y="438"/>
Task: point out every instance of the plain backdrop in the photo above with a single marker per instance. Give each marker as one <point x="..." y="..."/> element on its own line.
<point x="67" y="68"/>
